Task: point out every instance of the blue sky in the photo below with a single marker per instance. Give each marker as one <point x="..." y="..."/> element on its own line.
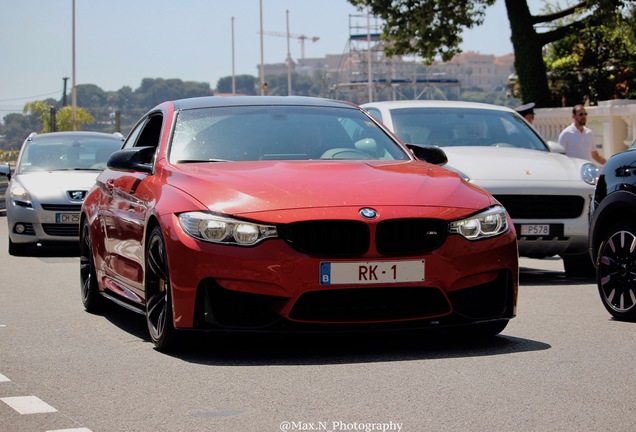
<point x="120" y="42"/>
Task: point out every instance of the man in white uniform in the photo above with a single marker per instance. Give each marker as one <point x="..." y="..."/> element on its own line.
<point x="578" y="139"/>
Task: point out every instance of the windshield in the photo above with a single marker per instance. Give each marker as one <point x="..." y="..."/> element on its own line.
<point x="250" y="133"/>
<point x="55" y="153"/>
<point x="447" y="127"/>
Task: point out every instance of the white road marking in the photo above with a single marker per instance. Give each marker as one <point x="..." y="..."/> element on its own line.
<point x="4" y="378"/>
<point x="71" y="430"/>
<point x="28" y="405"/>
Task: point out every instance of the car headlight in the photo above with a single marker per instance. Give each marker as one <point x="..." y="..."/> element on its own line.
<point x="218" y="229"/>
<point x="589" y="173"/>
<point x="20" y="196"/>
<point x="489" y="223"/>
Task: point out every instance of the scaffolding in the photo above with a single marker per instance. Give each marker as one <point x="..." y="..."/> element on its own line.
<point x="368" y="74"/>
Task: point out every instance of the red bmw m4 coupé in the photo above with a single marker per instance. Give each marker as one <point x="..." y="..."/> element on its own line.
<point x="291" y="214"/>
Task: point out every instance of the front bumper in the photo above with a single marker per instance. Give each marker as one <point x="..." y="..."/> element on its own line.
<point x="271" y="286"/>
<point x="43" y="224"/>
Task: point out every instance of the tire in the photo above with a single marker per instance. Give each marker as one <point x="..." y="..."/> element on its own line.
<point x="616" y="271"/>
<point x="159" y="316"/>
<point x="578" y="265"/>
<point x="91" y="297"/>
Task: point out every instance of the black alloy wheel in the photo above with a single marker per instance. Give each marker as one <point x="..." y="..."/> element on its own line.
<point x="616" y="271"/>
<point x="158" y="293"/>
<point x="91" y="298"/>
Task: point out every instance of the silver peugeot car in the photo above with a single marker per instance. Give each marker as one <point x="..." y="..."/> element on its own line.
<point x="53" y="173"/>
<point x="546" y="193"/>
<point x="5" y="173"/>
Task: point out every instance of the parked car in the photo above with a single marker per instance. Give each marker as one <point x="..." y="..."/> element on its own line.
<point x="53" y="173"/>
<point x="290" y="214"/>
<point x="5" y="173"/>
<point x="613" y="235"/>
<point x="546" y="193"/>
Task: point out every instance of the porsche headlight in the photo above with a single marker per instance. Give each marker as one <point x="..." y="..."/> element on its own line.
<point x="589" y="173"/>
<point x="489" y="223"/>
<point x="224" y="230"/>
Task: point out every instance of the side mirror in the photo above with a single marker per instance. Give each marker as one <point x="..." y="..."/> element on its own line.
<point x="132" y="159"/>
<point x="430" y="154"/>
<point x="555" y="147"/>
<point x="5" y="171"/>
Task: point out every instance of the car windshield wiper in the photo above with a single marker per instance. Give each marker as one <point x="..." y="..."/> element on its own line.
<point x="201" y="160"/>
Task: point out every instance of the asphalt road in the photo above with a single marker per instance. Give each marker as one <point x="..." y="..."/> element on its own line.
<point x="561" y="365"/>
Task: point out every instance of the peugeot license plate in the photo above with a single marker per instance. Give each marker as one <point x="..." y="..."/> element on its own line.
<point x="67" y="217"/>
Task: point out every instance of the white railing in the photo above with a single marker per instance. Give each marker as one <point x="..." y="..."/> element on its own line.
<point x="613" y="123"/>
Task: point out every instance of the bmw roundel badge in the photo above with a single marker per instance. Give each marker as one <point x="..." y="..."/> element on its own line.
<point x="368" y="213"/>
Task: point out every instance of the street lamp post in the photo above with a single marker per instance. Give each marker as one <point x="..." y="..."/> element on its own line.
<point x="74" y="89"/>
<point x="233" y="70"/>
<point x="289" y="61"/>
<point x="262" y="59"/>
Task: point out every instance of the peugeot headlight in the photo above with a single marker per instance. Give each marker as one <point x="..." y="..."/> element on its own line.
<point x="20" y="196"/>
<point x="489" y="223"/>
<point x="589" y="173"/>
<point x="218" y="229"/>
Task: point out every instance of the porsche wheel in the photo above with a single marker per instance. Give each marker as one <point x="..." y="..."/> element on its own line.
<point x="616" y="271"/>
<point x="91" y="298"/>
<point x="158" y="293"/>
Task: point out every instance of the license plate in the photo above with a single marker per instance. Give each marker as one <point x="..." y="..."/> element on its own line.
<point x="535" y="230"/>
<point x="371" y="272"/>
<point x="67" y="217"/>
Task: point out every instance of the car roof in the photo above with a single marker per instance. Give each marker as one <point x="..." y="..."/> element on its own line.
<point x="74" y="134"/>
<point x="228" y="101"/>
<point x="436" y="104"/>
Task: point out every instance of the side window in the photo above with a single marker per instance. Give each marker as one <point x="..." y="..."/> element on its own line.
<point x="133" y="135"/>
<point x="375" y="113"/>
<point x="146" y="134"/>
<point x="151" y="132"/>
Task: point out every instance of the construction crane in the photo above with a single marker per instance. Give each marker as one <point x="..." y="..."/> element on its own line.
<point x="301" y="38"/>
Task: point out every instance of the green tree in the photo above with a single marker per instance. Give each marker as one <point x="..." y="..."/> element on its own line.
<point x="89" y="96"/>
<point x="16" y="128"/>
<point x="302" y="85"/>
<point x="63" y="118"/>
<point x="595" y="64"/>
<point x="431" y="28"/>
<point x="245" y="84"/>
<point x="153" y="91"/>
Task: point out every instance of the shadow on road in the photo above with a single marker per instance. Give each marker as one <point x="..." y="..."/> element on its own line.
<point x="51" y="251"/>
<point x="225" y="349"/>
<point x="345" y="349"/>
<point x="540" y="277"/>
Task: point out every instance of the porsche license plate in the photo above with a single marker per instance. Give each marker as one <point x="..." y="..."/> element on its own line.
<point x="67" y="217"/>
<point x="535" y="230"/>
<point x="371" y="272"/>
